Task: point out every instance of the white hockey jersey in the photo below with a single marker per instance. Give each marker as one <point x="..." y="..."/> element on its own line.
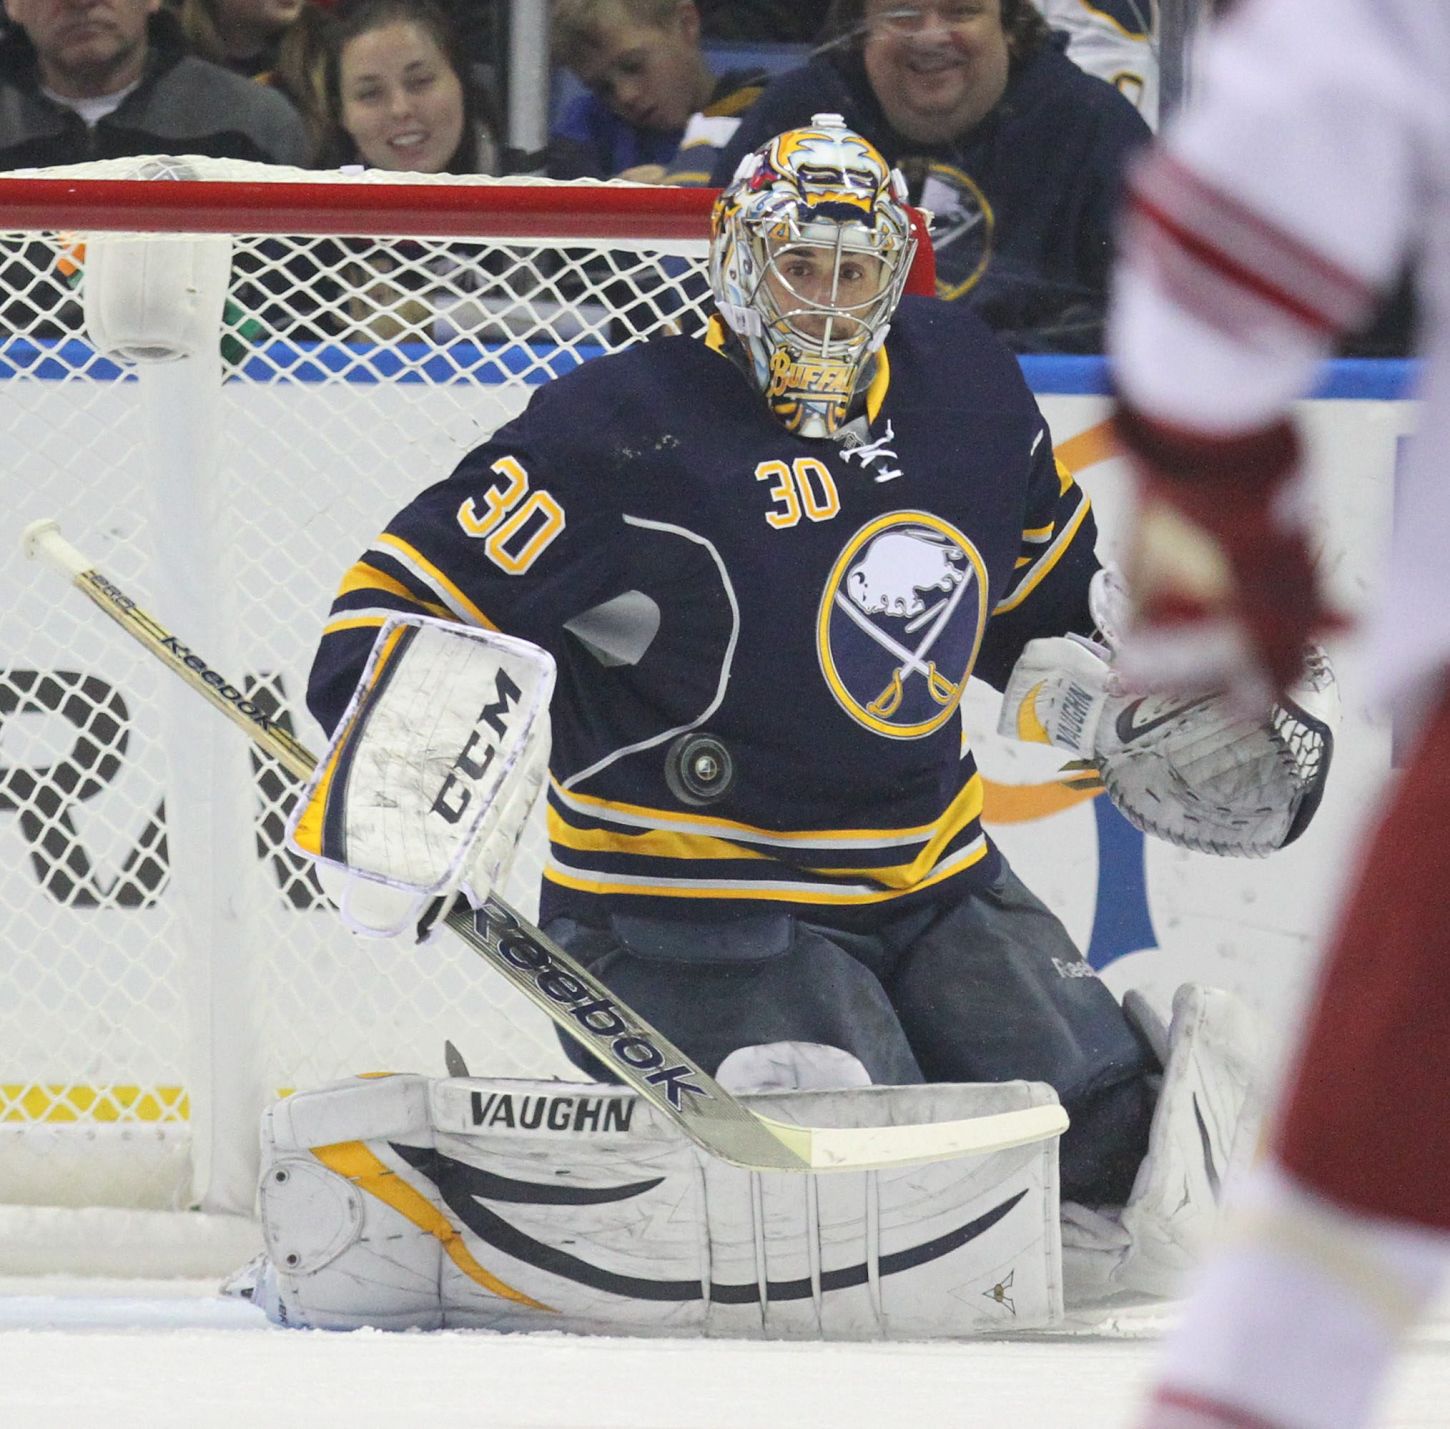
<point x="1115" y="40"/>
<point x="1313" y="161"/>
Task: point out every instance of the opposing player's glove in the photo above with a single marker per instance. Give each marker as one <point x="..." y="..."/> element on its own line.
<point x="1220" y="562"/>
<point x="1191" y="770"/>
<point x="431" y="775"/>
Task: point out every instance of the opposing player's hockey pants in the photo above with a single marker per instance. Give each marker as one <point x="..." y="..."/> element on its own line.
<point x="1363" y="1121"/>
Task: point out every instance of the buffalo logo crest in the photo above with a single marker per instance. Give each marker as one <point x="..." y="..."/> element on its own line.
<point x="900" y="622"/>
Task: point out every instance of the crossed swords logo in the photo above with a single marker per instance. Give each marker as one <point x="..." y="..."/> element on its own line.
<point x="911" y="662"/>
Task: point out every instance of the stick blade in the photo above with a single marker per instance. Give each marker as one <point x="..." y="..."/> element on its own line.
<point x="880" y="1147"/>
<point x="453" y="1062"/>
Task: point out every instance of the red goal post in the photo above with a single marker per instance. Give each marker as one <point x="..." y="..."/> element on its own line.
<point x="167" y="968"/>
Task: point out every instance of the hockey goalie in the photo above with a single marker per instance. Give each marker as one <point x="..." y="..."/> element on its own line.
<point x="716" y="601"/>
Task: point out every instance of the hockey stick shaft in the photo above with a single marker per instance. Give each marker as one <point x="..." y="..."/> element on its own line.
<point x="639" y="1055"/>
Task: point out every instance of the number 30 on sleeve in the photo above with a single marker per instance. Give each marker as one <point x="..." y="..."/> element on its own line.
<point x="515" y="523"/>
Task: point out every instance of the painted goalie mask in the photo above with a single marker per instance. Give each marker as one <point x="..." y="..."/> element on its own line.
<point x="810" y="247"/>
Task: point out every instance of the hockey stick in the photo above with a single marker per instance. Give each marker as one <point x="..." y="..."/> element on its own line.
<point x="541" y="970"/>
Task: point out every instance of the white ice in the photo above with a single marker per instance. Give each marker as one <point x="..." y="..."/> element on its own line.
<point x="123" y="1355"/>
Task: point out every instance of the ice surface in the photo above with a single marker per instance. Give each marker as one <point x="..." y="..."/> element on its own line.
<point x="128" y="1354"/>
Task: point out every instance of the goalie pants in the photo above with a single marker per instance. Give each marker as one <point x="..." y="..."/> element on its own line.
<point x="1376" y="1053"/>
<point x="987" y="989"/>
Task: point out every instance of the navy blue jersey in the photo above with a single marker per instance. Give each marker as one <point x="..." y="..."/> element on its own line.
<point x="814" y="608"/>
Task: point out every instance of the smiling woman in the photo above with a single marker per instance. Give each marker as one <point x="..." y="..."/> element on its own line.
<point x="401" y="94"/>
<point x="402" y="99"/>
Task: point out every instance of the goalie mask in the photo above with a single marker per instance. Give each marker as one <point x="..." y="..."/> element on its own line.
<point x="810" y="247"/>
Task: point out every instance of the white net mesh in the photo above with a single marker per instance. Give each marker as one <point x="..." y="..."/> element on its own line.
<point x="167" y="967"/>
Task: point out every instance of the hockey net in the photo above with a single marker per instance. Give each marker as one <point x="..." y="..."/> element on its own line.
<point x="168" y="967"/>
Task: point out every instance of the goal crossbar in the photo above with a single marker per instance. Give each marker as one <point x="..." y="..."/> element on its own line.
<point x="421" y="210"/>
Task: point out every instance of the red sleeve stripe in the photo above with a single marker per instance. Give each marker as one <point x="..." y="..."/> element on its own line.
<point x="1215" y="298"/>
<point x="1179" y="1409"/>
<point x="1223" y="236"/>
<point x="1215" y="271"/>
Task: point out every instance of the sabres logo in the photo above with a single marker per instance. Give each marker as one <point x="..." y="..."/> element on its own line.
<point x="900" y="621"/>
<point x="962" y="228"/>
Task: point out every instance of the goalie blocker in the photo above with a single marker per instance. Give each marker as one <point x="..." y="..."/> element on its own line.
<point x="431" y="775"/>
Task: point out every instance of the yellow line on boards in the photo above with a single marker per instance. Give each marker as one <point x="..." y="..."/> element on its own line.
<point x="72" y="1101"/>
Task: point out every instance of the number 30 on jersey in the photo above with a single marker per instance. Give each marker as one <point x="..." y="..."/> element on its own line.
<point x="515" y="523"/>
<point x="803" y="486"/>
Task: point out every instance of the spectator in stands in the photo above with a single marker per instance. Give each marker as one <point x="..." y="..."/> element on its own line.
<point x="642" y="62"/>
<point x="402" y="95"/>
<point x="113" y="79"/>
<point x="403" y="100"/>
<point x="1017" y="152"/>
<point x="282" y="43"/>
<point x="482" y="30"/>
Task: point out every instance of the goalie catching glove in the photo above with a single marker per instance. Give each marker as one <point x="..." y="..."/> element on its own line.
<point x="1188" y="768"/>
<point x="431" y="775"/>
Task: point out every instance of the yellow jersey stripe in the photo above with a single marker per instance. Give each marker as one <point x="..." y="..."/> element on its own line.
<point x="771" y="891"/>
<point x="641" y="816"/>
<point x="458" y="603"/>
<point x="1049" y="559"/>
<point x="647" y="844"/>
<point x="356" y="620"/>
<point x="958" y="816"/>
<point x="964" y="810"/>
<point x="736" y="102"/>
<point x="880" y="381"/>
<point x="362" y="576"/>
